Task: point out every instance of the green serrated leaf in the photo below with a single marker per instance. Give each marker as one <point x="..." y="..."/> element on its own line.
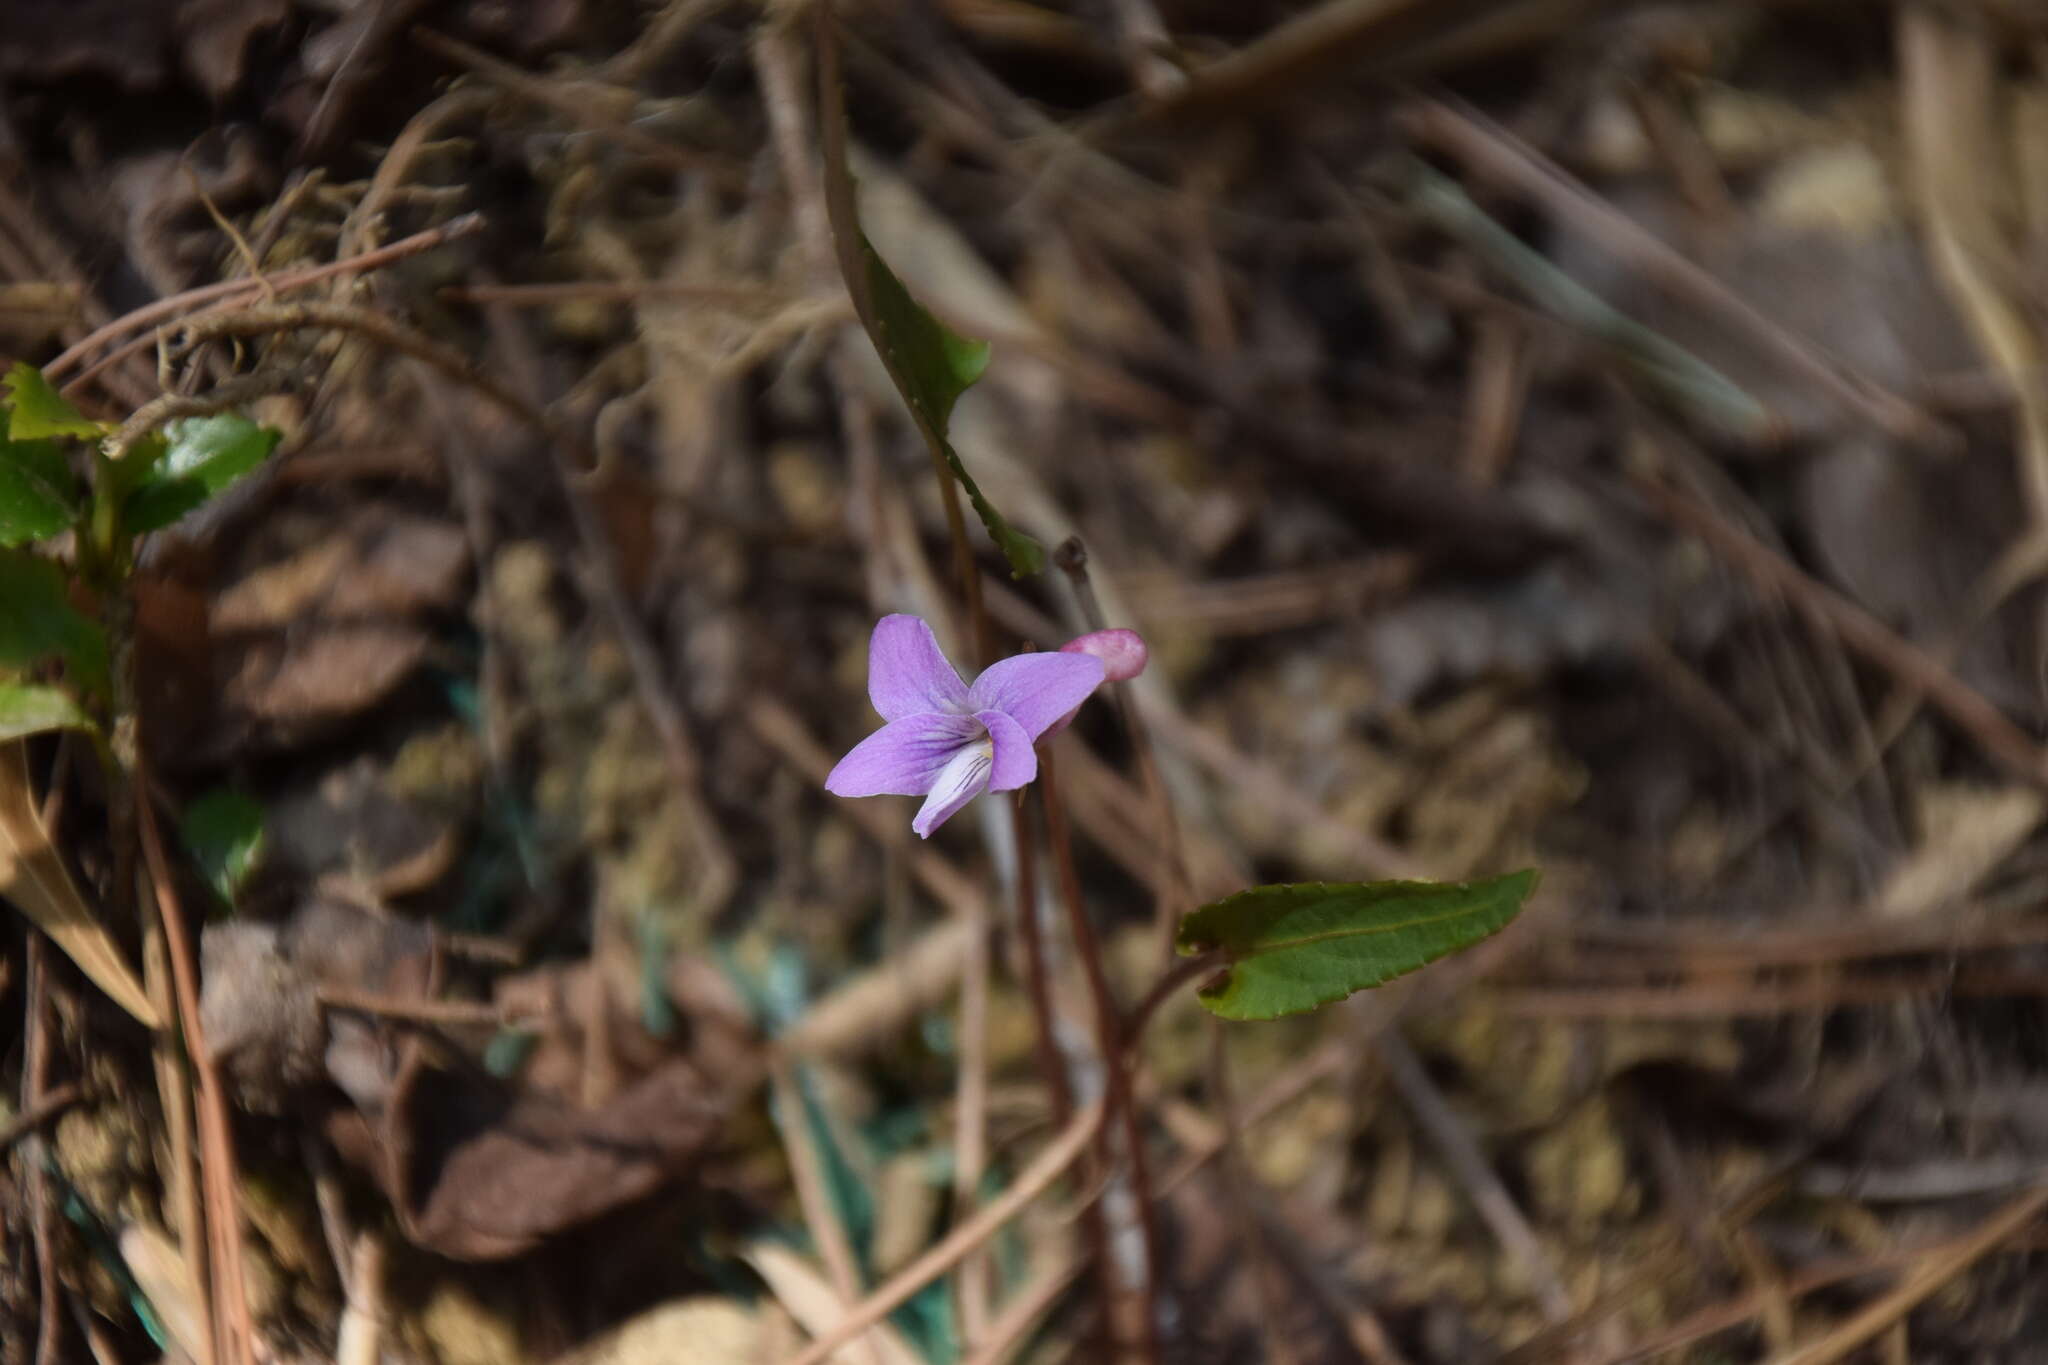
<point x="38" y="622"/>
<point x="223" y="830"/>
<point x="930" y="363"/>
<point x="201" y="456"/>
<point x="30" y="709"/>
<point x="38" y="494"/>
<point x="36" y="410"/>
<point x="1291" y="948"/>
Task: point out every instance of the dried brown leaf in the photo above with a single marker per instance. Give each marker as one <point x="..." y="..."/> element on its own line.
<point x="33" y="876"/>
<point x="479" y="1172"/>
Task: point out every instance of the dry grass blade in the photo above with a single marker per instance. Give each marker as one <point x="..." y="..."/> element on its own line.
<point x="810" y="1297"/>
<point x="2002" y="740"/>
<point x="1308" y="46"/>
<point x="816" y="1302"/>
<point x="1029" y="1184"/>
<point x="33" y="876"/>
<point x="1950" y="98"/>
<point x="1007" y="1334"/>
<point x="1499" y="156"/>
<point x="1934" y="1271"/>
<point x="234" y="1335"/>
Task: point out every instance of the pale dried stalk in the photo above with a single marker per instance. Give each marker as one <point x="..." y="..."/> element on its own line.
<point x="1029" y="1184"/>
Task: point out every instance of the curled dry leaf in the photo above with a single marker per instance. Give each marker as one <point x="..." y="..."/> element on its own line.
<point x="33" y="876"/>
<point x="478" y="1171"/>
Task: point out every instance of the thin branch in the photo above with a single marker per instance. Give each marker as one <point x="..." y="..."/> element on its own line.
<point x="39" y="1112"/>
<point x="236" y="291"/>
<point x="234" y="393"/>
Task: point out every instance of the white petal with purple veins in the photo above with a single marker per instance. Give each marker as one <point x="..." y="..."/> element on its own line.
<point x="962" y="779"/>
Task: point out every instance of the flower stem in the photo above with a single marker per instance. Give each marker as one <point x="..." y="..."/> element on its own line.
<point x="1109" y="1029"/>
<point x="1177" y="895"/>
<point x="1037" y="976"/>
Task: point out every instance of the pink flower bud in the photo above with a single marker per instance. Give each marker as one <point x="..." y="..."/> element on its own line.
<point x="1122" y="652"/>
<point x="1123" y="656"/>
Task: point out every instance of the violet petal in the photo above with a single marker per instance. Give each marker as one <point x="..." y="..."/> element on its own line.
<point x="962" y="779"/>
<point x="1016" y="762"/>
<point x="1036" y="689"/>
<point x="904" y="757"/>
<point x="907" y="671"/>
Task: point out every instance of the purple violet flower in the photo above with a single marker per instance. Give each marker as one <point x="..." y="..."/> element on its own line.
<point x="949" y="742"/>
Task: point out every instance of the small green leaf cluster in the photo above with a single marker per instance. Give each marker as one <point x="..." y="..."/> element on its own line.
<point x="1286" y="949"/>
<point x="71" y="512"/>
<point x="930" y="364"/>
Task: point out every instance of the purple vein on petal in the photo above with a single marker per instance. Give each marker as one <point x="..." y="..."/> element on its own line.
<point x="907" y="671"/>
<point x="1036" y="689"/>
<point x="904" y="757"/>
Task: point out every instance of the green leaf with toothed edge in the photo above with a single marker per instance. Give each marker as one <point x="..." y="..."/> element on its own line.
<point x="38" y="492"/>
<point x="36" y="410"/>
<point x="1290" y="948"/>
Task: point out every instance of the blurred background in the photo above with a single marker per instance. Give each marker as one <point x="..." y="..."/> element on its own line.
<point x="1602" y="435"/>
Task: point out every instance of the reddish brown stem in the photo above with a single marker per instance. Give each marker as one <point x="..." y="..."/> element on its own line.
<point x="1109" y="1028"/>
<point x="1037" y="978"/>
<point x="1176" y="895"/>
<point x="35" y="1080"/>
<point x="233" y="1334"/>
